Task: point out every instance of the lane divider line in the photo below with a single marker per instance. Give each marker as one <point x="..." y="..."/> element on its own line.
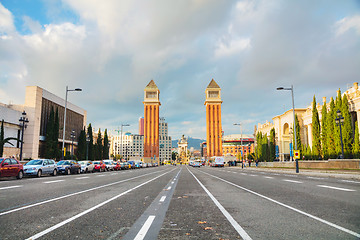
<point x="235" y="224"/>
<point x="162" y="199"/>
<point x="3" y="188"/>
<point x="268" y="177"/>
<point x="337" y="188"/>
<point x="349" y="181"/>
<point x="292" y="181"/>
<point x="145" y="228"/>
<point x="169" y="188"/>
<point x="81" y="177"/>
<point x="289" y="207"/>
<point x="55" y="181"/>
<point x="71" y="194"/>
<point x="46" y="231"/>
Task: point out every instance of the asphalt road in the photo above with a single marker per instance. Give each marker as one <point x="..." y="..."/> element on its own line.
<point x="180" y="202"/>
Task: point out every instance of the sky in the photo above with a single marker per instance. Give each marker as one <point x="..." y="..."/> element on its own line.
<point x="112" y="49"/>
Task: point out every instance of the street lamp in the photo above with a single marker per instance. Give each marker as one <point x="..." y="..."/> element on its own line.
<point x="339" y="121"/>
<point x="293" y="107"/>
<point x="241" y="139"/>
<point x="23" y="119"/>
<point x="72" y="136"/>
<point x="63" y="140"/>
<point x="87" y="146"/>
<point x="122" y="125"/>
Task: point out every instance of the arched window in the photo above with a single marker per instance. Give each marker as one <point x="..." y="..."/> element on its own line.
<point x="286" y="129"/>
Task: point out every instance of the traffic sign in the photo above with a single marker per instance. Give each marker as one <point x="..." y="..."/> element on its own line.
<point x="297" y="154"/>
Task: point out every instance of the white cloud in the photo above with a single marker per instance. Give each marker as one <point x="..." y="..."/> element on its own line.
<point x="6" y="20"/>
<point x="233" y="47"/>
<point x="348" y="23"/>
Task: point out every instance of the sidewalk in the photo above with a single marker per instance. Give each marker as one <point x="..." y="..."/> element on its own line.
<point x="344" y="174"/>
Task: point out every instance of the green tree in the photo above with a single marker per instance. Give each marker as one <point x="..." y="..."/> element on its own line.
<point x="324" y="132"/>
<point x="98" y="146"/>
<point x="106" y="147"/>
<point x="272" y="144"/>
<point x="315" y="131"/>
<point x="81" y="151"/>
<point x="91" y="143"/>
<point x="355" y="146"/>
<point x="298" y="136"/>
<point x="347" y="133"/>
<point x="338" y="103"/>
<point x="4" y="140"/>
<point x="330" y="129"/>
<point x="49" y="140"/>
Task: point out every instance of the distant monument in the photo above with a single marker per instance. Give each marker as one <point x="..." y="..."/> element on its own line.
<point x="183" y="150"/>
<point x="151" y="122"/>
<point x="213" y="120"/>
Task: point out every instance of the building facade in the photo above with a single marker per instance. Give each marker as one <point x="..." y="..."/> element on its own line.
<point x="128" y="145"/>
<point x="283" y="124"/>
<point x="213" y="119"/>
<point x="151" y="121"/>
<point x="37" y="106"/>
<point x="165" y="143"/>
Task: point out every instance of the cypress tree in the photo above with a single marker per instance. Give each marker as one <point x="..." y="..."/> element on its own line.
<point x="91" y="144"/>
<point x="324" y="139"/>
<point x="355" y="146"/>
<point x="99" y="146"/>
<point x="272" y="144"/>
<point x="81" y="152"/>
<point x="259" y="146"/>
<point x="330" y="129"/>
<point x="338" y="103"/>
<point x="347" y="133"/>
<point x="315" y="131"/>
<point x="106" y="147"/>
<point x="49" y="140"/>
<point x="298" y="137"/>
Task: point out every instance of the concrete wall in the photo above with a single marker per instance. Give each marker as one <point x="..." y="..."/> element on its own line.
<point x="330" y="164"/>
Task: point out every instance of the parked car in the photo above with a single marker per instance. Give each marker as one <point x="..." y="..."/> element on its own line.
<point x="10" y="167"/>
<point x="86" y="166"/>
<point x="68" y="167"/>
<point x="196" y="164"/>
<point x="131" y="164"/>
<point x="109" y="164"/>
<point x="38" y="167"/>
<point x="124" y="166"/>
<point x="117" y="166"/>
<point x="99" y="166"/>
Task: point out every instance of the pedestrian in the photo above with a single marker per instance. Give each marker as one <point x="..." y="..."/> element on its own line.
<point x="256" y="162"/>
<point x="249" y="163"/>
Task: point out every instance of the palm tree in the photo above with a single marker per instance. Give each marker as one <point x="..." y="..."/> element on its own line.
<point x="4" y="140"/>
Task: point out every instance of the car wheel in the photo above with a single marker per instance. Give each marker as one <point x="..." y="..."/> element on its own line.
<point x="20" y="175"/>
<point x="68" y="171"/>
<point x="54" y="172"/>
<point x="38" y="173"/>
<point x="93" y="170"/>
<point x="78" y="171"/>
<point x="86" y="170"/>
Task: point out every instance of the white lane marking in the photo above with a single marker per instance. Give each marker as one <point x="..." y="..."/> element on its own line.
<point x="253" y="175"/>
<point x="289" y="207"/>
<point x="276" y="174"/>
<point x="172" y="182"/>
<point x="292" y="181"/>
<point x="46" y="231"/>
<point x="318" y="178"/>
<point x="81" y="177"/>
<point x="243" y="173"/>
<point x="100" y="175"/>
<point x="236" y="225"/>
<point x="169" y="188"/>
<point x="162" y="199"/>
<point x="3" y="188"/>
<point x="288" y="175"/>
<point x="337" y="188"/>
<point x="55" y="181"/>
<point x="142" y="233"/>
<point x="72" y="194"/>
<point x="113" y="173"/>
<point x="350" y="181"/>
<point x="268" y="177"/>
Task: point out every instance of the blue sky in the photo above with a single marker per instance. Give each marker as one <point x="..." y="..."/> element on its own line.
<point x="112" y="49"/>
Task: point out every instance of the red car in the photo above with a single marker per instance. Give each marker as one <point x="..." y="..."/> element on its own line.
<point x="99" y="166"/>
<point x="10" y="167"/>
<point x="117" y="166"/>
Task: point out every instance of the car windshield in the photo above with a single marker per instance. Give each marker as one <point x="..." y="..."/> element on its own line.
<point x="82" y="163"/>
<point x="96" y="162"/>
<point x="34" y="162"/>
<point x="63" y="163"/>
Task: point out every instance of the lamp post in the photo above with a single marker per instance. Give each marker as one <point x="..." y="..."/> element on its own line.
<point x="63" y="140"/>
<point x="293" y="107"/>
<point x="23" y="119"/>
<point x="72" y="136"/>
<point x="339" y="121"/>
<point x="87" y="146"/>
<point x="241" y="140"/>
<point x="122" y="125"/>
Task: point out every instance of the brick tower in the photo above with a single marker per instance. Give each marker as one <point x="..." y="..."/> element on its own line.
<point x="151" y="121"/>
<point x="213" y="120"/>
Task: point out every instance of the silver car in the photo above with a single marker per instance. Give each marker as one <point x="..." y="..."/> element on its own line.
<point x="38" y="167"/>
<point x="86" y="166"/>
<point x="109" y="164"/>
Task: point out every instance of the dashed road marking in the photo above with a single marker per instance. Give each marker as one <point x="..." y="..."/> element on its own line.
<point x="292" y="181"/>
<point x="268" y="177"/>
<point x="162" y="199"/>
<point x="169" y="188"/>
<point x="337" y="188"/>
<point x="81" y="178"/>
<point x="253" y="175"/>
<point x="145" y="228"/>
<point x="55" y="181"/>
<point x="3" y="188"/>
<point x="318" y="178"/>
<point x="349" y="181"/>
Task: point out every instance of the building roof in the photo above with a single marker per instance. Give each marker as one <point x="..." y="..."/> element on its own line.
<point x="213" y="84"/>
<point x="151" y="85"/>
